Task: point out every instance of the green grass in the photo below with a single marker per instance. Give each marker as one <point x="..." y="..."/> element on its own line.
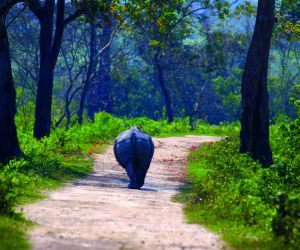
<point x="234" y="196"/>
<point x="13" y="233"/>
<point x="236" y="235"/>
<point x="231" y="230"/>
<point x="13" y="226"/>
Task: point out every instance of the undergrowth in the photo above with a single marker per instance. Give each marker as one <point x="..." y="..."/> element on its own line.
<point x="250" y="206"/>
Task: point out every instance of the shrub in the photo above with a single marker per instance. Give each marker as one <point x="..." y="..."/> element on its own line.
<point x="286" y="148"/>
<point x="42" y="157"/>
<point x="287" y="220"/>
<point x="12" y="184"/>
<point x="235" y="187"/>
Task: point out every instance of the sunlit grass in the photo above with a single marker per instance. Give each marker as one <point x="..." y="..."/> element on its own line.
<point x="13" y="233"/>
<point x="222" y="195"/>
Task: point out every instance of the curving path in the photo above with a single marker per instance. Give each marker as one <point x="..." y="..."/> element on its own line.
<point x="99" y="212"/>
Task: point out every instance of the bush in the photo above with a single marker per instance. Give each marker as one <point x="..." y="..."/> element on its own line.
<point x="43" y="158"/>
<point x="12" y="184"/>
<point x="106" y="127"/>
<point x="287" y="220"/>
<point x="233" y="188"/>
<point x="286" y="148"/>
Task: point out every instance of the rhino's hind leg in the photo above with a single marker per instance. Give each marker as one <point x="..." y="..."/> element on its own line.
<point x="132" y="176"/>
<point x="143" y="159"/>
<point x="140" y="176"/>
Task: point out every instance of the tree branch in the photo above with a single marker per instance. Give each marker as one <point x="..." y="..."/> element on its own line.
<point x="16" y="16"/>
<point x="73" y="16"/>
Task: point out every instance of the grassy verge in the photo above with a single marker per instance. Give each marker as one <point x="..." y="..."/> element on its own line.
<point x="13" y="232"/>
<point x="237" y="236"/>
<point x="26" y="183"/>
<point x="235" y="197"/>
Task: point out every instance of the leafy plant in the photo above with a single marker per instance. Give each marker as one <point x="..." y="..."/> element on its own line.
<point x="234" y="195"/>
<point x="287" y="221"/>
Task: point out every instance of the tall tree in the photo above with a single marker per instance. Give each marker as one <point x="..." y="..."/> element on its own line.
<point x="156" y="22"/>
<point x="159" y="32"/>
<point x="50" y="44"/>
<point x="99" y="98"/>
<point x="254" y="136"/>
<point x="73" y="68"/>
<point x="9" y="145"/>
<point x="90" y="71"/>
<point x="23" y="34"/>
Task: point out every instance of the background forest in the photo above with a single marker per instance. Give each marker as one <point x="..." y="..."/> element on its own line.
<point x="109" y="63"/>
<point x="83" y="71"/>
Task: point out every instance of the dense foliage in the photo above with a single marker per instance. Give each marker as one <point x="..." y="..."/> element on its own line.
<point x="234" y="194"/>
<point x="202" y="55"/>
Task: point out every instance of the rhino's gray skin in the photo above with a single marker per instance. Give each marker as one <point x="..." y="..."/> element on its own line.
<point x="134" y="150"/>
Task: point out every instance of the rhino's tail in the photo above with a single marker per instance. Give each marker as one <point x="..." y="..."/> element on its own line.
<point x="133" y="146"/>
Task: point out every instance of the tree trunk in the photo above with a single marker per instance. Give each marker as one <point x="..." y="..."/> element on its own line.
<point x="104" y="68"/>
<point x="68" y="114"/>
<point x="42" y="123"/>
<point x="165" y="93"/>
<point x="9" y="145"/>
<point x="91" y="69"/>
<point x="254" y="136"/>
<point x="82" y="101"/>
<point x="100" y="95"/>
<point x="49" y="50"/>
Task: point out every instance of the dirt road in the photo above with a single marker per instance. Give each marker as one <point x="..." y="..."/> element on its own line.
<point x="99" y="212"/>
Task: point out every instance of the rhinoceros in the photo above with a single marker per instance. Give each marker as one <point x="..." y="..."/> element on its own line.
<point x="134" y="150"/>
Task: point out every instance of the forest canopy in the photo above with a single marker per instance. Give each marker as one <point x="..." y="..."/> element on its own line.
<point x="201" y="52"/>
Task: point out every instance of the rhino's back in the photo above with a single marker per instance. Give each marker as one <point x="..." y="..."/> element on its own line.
<point x="132" y="145"/>
<point x="129" y="134"/>
<point x="126" y="135"/>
